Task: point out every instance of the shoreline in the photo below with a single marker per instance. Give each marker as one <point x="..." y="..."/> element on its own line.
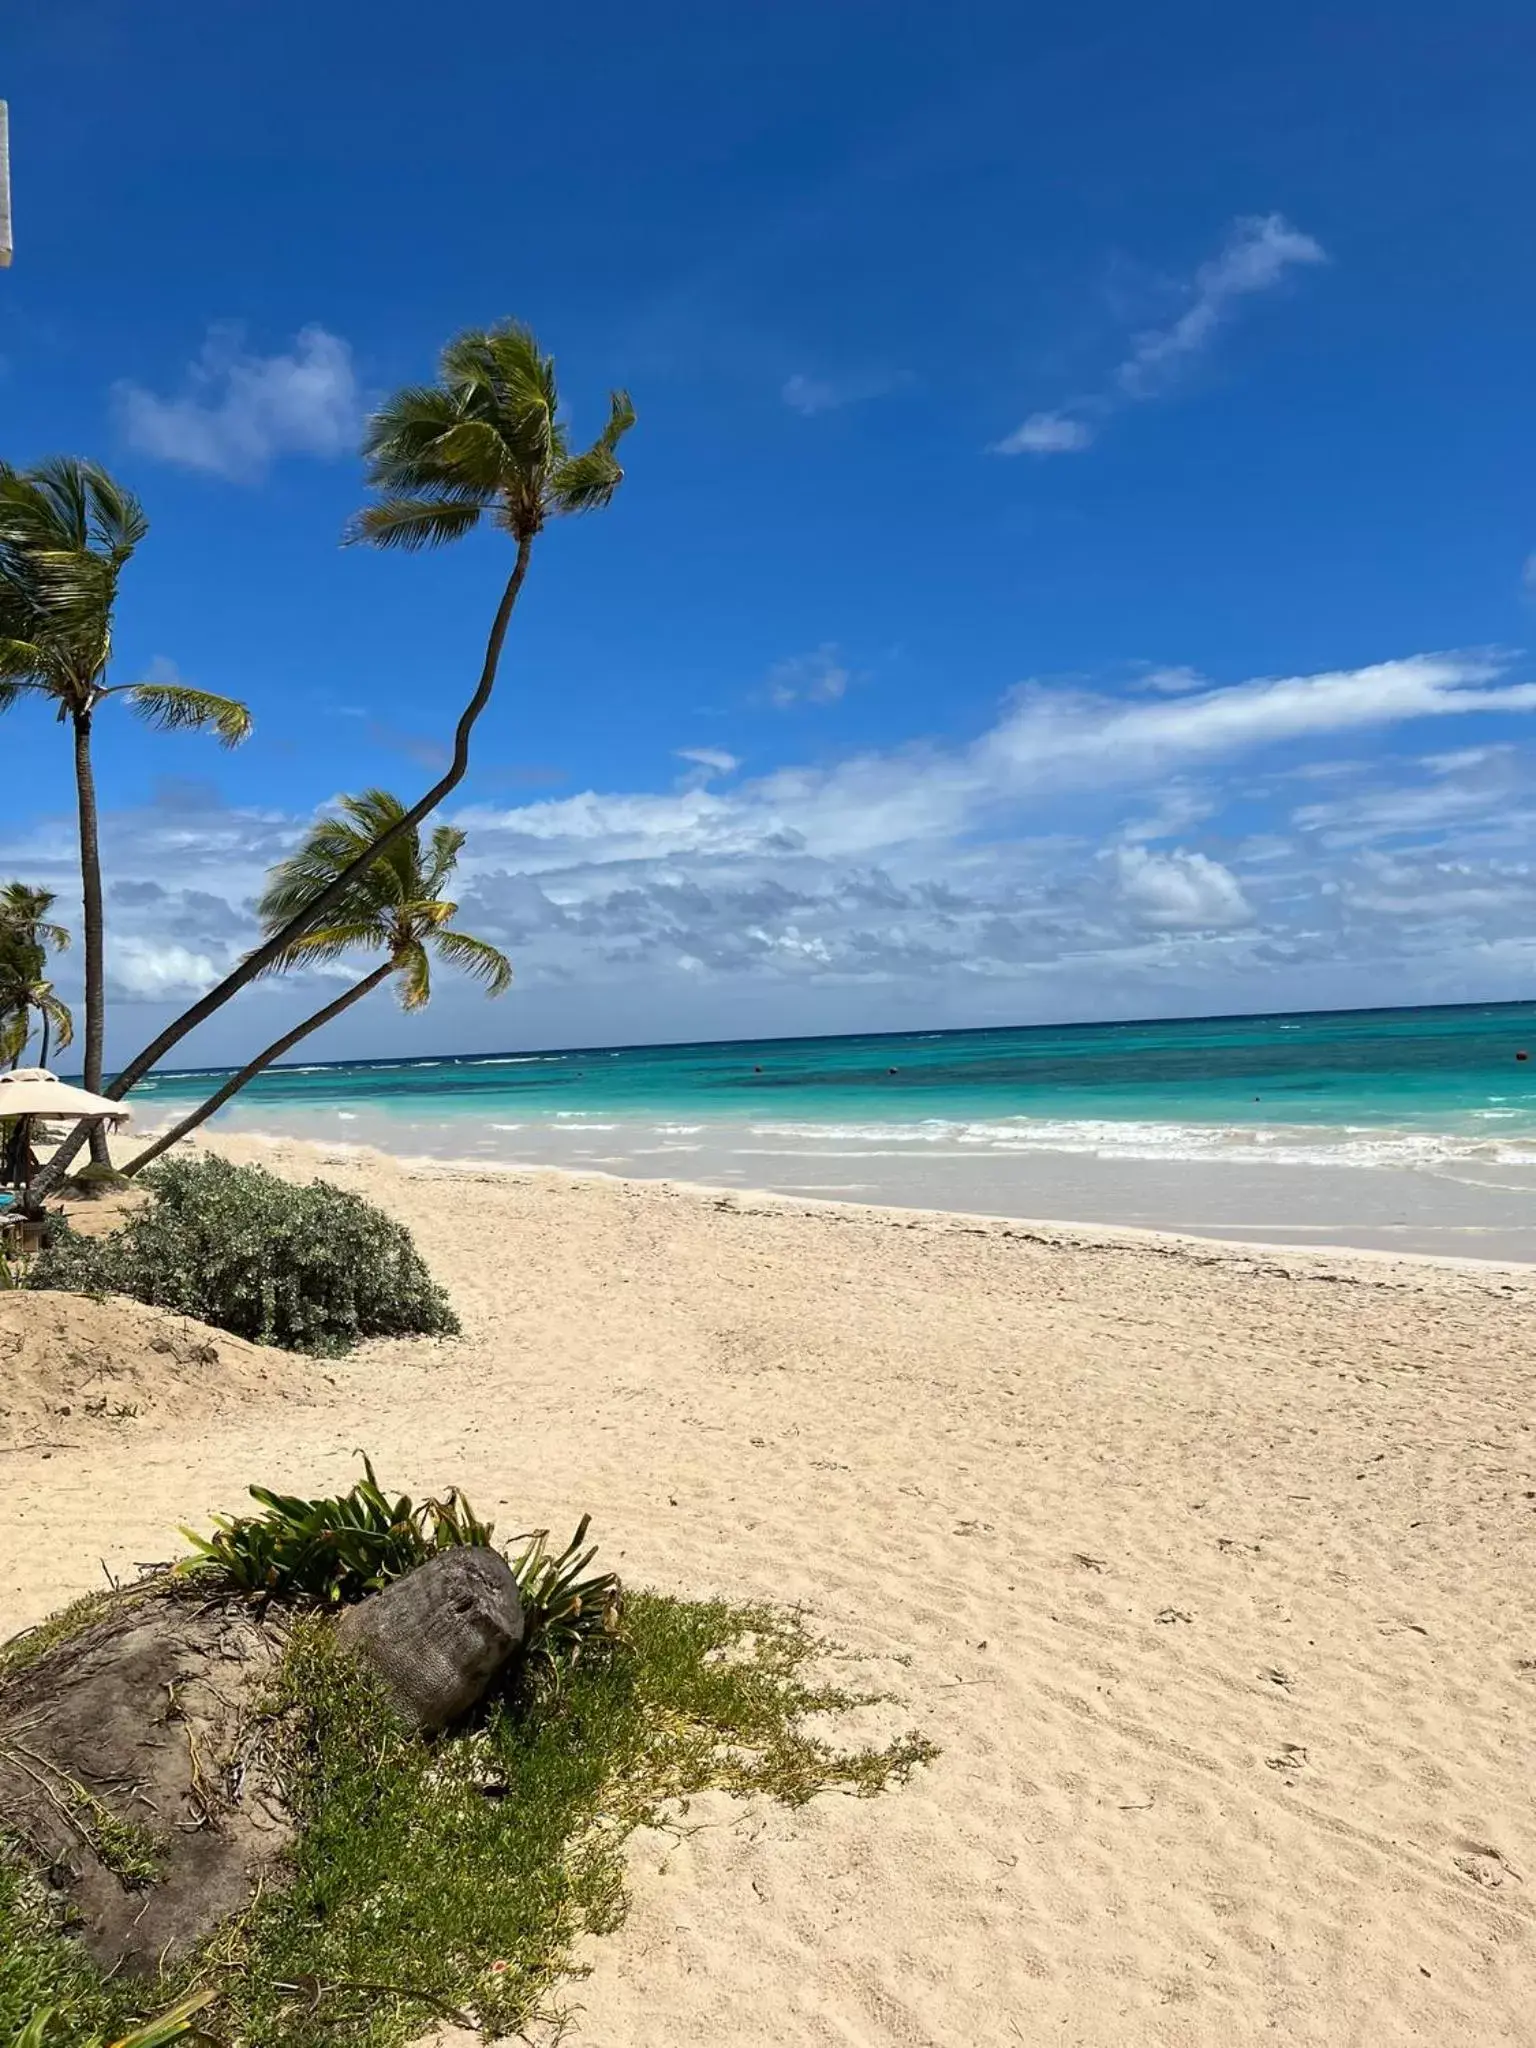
<point x="1511" y="1245"/>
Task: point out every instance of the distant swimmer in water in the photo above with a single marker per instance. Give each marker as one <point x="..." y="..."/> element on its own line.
<point x="893" y="1070"/>
<point x="757" y="1070"/>
<point x="1522" y="1055"/>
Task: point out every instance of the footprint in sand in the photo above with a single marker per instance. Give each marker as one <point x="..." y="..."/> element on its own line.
<point x="1290" y="1756"/>
<point x="1485" y="1865"/>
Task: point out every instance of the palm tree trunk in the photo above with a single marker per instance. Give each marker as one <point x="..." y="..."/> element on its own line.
<point x="90" y="893"/>
<point x="257" y="961"/>
<point x="42" y="1058"/>
<point x="273" y="1052"/>
<point x="272" y="947"/>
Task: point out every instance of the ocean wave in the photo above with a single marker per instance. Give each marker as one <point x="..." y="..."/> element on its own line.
<point x="521" y="1059"/>
<point x="1352" y="1145"/>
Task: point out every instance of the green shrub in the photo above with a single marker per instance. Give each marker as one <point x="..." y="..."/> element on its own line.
<point x="331" y="1551"/>
<point x="310" y="1268"/>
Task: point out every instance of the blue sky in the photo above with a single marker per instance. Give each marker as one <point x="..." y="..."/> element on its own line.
<point x="1078" y="543"/>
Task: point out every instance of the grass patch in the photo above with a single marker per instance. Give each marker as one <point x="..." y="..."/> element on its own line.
<point x="73" y="1620"/>
<point x="452" y="1879"/>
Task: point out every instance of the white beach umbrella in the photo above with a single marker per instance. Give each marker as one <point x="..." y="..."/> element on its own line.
<point x="33" y="1091"/>
<point x="28" y="1094"/>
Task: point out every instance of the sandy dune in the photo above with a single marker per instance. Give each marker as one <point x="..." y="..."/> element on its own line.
<point x="1214" y="1571"/>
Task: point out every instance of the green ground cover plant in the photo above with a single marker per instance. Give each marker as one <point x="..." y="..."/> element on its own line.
<point x="448" y="1880"/>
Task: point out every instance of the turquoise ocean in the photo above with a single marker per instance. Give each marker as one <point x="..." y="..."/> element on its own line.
<point x="1408" y="1130"/>
<point x="1342" y="1088"/>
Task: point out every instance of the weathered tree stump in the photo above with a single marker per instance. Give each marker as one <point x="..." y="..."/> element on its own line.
<point x="134" y="1771"/>
<point x="439" y="1636"/>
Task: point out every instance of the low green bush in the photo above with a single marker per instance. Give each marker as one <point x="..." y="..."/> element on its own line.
<point x="311" y="1268"/>
<point x="331" y="1550"/>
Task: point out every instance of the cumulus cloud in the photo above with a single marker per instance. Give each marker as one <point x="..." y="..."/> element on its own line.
<point x="1180" y="891"/>
<point x="143" y="970"/>
<point x="1089" y="852"/>
<point x="1259" y="252"/>
<point x="238" y="412"/>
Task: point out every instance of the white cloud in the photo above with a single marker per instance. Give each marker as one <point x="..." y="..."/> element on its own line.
<point x="1046" y="433"/>
<point x="817" y="678"/>
<point x="1259" y="251"/>
<point x="1053" y="733"/>
<point x="239" y="411"/>
<point x="1255" y="258"/>
<point x="812" y="395"/>
<point x="1180" y="891"/>
<point x="147" y="970"/>
<point x="1084" y="855"/>
<point x="1175" y="681"/>
<point x="715" y="759"/>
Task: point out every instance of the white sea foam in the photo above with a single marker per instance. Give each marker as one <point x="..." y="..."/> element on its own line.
<point x="521" y="1059"/>
<point x="1276" y="1144"/>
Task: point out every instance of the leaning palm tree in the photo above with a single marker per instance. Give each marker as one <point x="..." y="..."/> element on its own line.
<point x="67" y="531"/>
<point x="394" y="904"/>
<point x="484" y="445"/>
<point x="26" y="934"/>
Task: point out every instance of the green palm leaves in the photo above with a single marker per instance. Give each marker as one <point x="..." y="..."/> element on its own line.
<point x="66" y="530"/>
<point x="395" y="905"/>
<point x="26" y="935"/>
<point x="486" y="440"/>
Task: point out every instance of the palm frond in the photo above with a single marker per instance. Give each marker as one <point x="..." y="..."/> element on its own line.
<point x="24" y="912"/>
<point x="414" y="986"/>
<point x="403" y="448"/>
<point x="585" y="483"/>
<point x="59" y="1015"/>
<point x="23" y="666"/>
<point x="15" y="1030"/>
<point x="332" y="941"/>
<point x="447" y="845"/>
<point x="333" y="844"/>
<point x="174" y="707"/>
<point x="412" y="523"/>
<point x="477" y="958"/>
<point x="621" y="417"/>
<point x="73" y="506"/>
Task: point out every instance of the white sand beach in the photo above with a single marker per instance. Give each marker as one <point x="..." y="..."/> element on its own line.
<point x="1209" y="1571"/>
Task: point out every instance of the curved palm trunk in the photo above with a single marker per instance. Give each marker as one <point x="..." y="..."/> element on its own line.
<point x="273" y="1052"/>
<point x="42" y="1058"/>
<point x="257" y="961"/>
<point x="92" y="916"/>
